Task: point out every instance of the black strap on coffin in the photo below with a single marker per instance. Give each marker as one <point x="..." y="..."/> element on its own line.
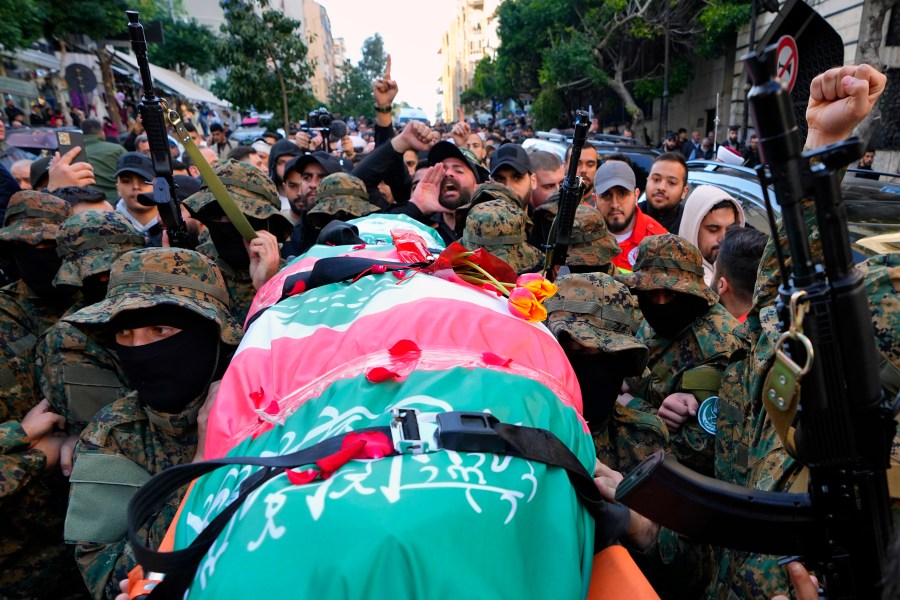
<point x="529" y="443"/>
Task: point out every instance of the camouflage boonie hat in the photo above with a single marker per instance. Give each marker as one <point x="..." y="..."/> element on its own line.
<point x="486" y="192"/>
<point x="598" y="312"/>
<point x="90" y="242"/>
<point x="33" y="217"/>
<point x="591" y="243"/>
<point x="253" y="192"/>
<point x="499" y="227"/>
<point x="154" y="276"/>
<point x="340" y="196"/>
<point x="882" y="281"/>
<point x="669" y="262"/>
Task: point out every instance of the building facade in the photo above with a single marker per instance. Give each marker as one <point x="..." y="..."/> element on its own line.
<point x="471" y="36"/>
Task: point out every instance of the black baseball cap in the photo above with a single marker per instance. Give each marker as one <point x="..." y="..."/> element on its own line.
<point x="444" y="150"/>
<point x="135" y="162"/>
<point x="511" y="155"/>
<point x="328" y="162"/>
<point x="38" y="172"/>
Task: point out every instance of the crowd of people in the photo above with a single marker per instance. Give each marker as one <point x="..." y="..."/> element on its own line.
<point x="114" y="341"/>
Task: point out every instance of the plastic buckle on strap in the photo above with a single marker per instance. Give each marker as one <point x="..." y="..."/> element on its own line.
<point x="469" y="432"/>
<point x="412" y="432"/>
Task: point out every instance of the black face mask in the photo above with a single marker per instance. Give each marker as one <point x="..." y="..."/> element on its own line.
<point x="600" y="377"/>
<point x="159" y="372"/>
<point x="93" y="288"/>
<point x="670" y="319"/>
<point x="38" y="267"/>
<point x="229" y="244"/>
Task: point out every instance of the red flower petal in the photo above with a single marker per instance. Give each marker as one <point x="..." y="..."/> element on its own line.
<point x="377" y="445"/>
<point x="379" y="269"/>
<point x="257" y="396"/>
<point x="404" y="347"/>
<point x="302" y="477"/>
<point x="360" y="247"/>
<point x="272" y="408"/>
<point x="379" y="374"/>
<point x="299" y="287"/>
<point x="495" y="360"/>
<point x="350" y="449"/>
<point x="399" y="274"/>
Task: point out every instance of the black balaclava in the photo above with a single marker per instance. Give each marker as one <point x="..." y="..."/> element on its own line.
<point x="38" y="267"/>
<point x="673" y="317"/>
<point x="171" y="373"/>
<point x="600" y="377"/>
<point x="94" y="287"/>
<point x="229" y="243"/>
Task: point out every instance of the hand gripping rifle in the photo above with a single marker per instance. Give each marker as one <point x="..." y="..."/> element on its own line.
<point x="557" y="246"/>
<point x="154" y="114"/>
<point x="154" y="121"/>
<point x="844" y="428"/>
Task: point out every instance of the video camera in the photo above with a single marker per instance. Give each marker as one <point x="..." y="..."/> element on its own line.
<point x="333" y="130"/>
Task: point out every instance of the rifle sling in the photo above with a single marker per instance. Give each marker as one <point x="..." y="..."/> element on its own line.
<point x="212" y="181"/>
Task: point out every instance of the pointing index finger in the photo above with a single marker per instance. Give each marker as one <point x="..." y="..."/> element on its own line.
<point x="459" y="114"/>
<point x="387" y="68"/>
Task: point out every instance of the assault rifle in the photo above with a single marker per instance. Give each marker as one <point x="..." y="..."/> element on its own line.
<point x="570" y="192"/>
<point x="843" y="430"/>
<point x="153" y="110"/>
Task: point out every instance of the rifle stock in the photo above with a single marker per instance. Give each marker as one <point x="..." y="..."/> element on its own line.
<point x="153" y="118"/>
<point x="845" y="426"/>
<point x="557" y="246"/>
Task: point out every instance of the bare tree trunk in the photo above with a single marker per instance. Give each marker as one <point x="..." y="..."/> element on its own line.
<point x="284" y="98"/>
<point x="62" y="96"/>
<point x="617" y="84"/>
<point x="109" y="87"/>
<point x="868" y="51"/>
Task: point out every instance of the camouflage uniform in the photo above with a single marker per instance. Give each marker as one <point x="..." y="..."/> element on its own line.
<point x="499" y="227"/>
<point x="78" y="375"/>
<point x="340" y="196"/>
<point x="699" y="352"/>
<point x="599" y="312"/>
<point x="257" y="198"/>
<point x="127" y="442"/>
<point x="591" y="244"/>
<point x="486" y="192"/>
<point x="748" y="449"/>
<point x="32" y="561"/>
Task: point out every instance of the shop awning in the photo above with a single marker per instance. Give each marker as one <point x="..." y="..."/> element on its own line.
<point x="174" y="82"/>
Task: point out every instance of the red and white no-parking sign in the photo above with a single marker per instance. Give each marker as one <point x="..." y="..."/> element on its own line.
<point x="788" y="61"/>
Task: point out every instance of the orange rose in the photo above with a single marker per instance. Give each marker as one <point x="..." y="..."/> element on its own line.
<point x="537" y="285"/>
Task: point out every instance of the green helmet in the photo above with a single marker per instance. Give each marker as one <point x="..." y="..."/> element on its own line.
<point x="598" y="312"/>
<point x="591" y="243"/>
<point x="483" y="193"/>
<point x="499" y="227"/>
<point x="154" y="276"/>
<point x="669" y="262"/>
<point x="90" y="242"/>
<point x="340" y="196"/>
<point x="253" y="192"/>
<point x="33" y="217"/>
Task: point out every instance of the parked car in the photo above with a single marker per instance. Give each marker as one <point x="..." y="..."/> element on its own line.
<point x="412" y="114"/>
<point x="641" y="156"/>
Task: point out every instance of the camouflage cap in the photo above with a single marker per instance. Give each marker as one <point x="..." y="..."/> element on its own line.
<point x="91" y="241"/>
<point x="598" y="312"/>
<point x="591" y="243"/>
<point x="340" y="196"/>
<point x="33" y="217"/>
<point x="499" y="227"/>
<point x="486" y="192"/>
<point x="253" y="192"/>
<point x="669" y="262"/>
<point x="154" y="276"/>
